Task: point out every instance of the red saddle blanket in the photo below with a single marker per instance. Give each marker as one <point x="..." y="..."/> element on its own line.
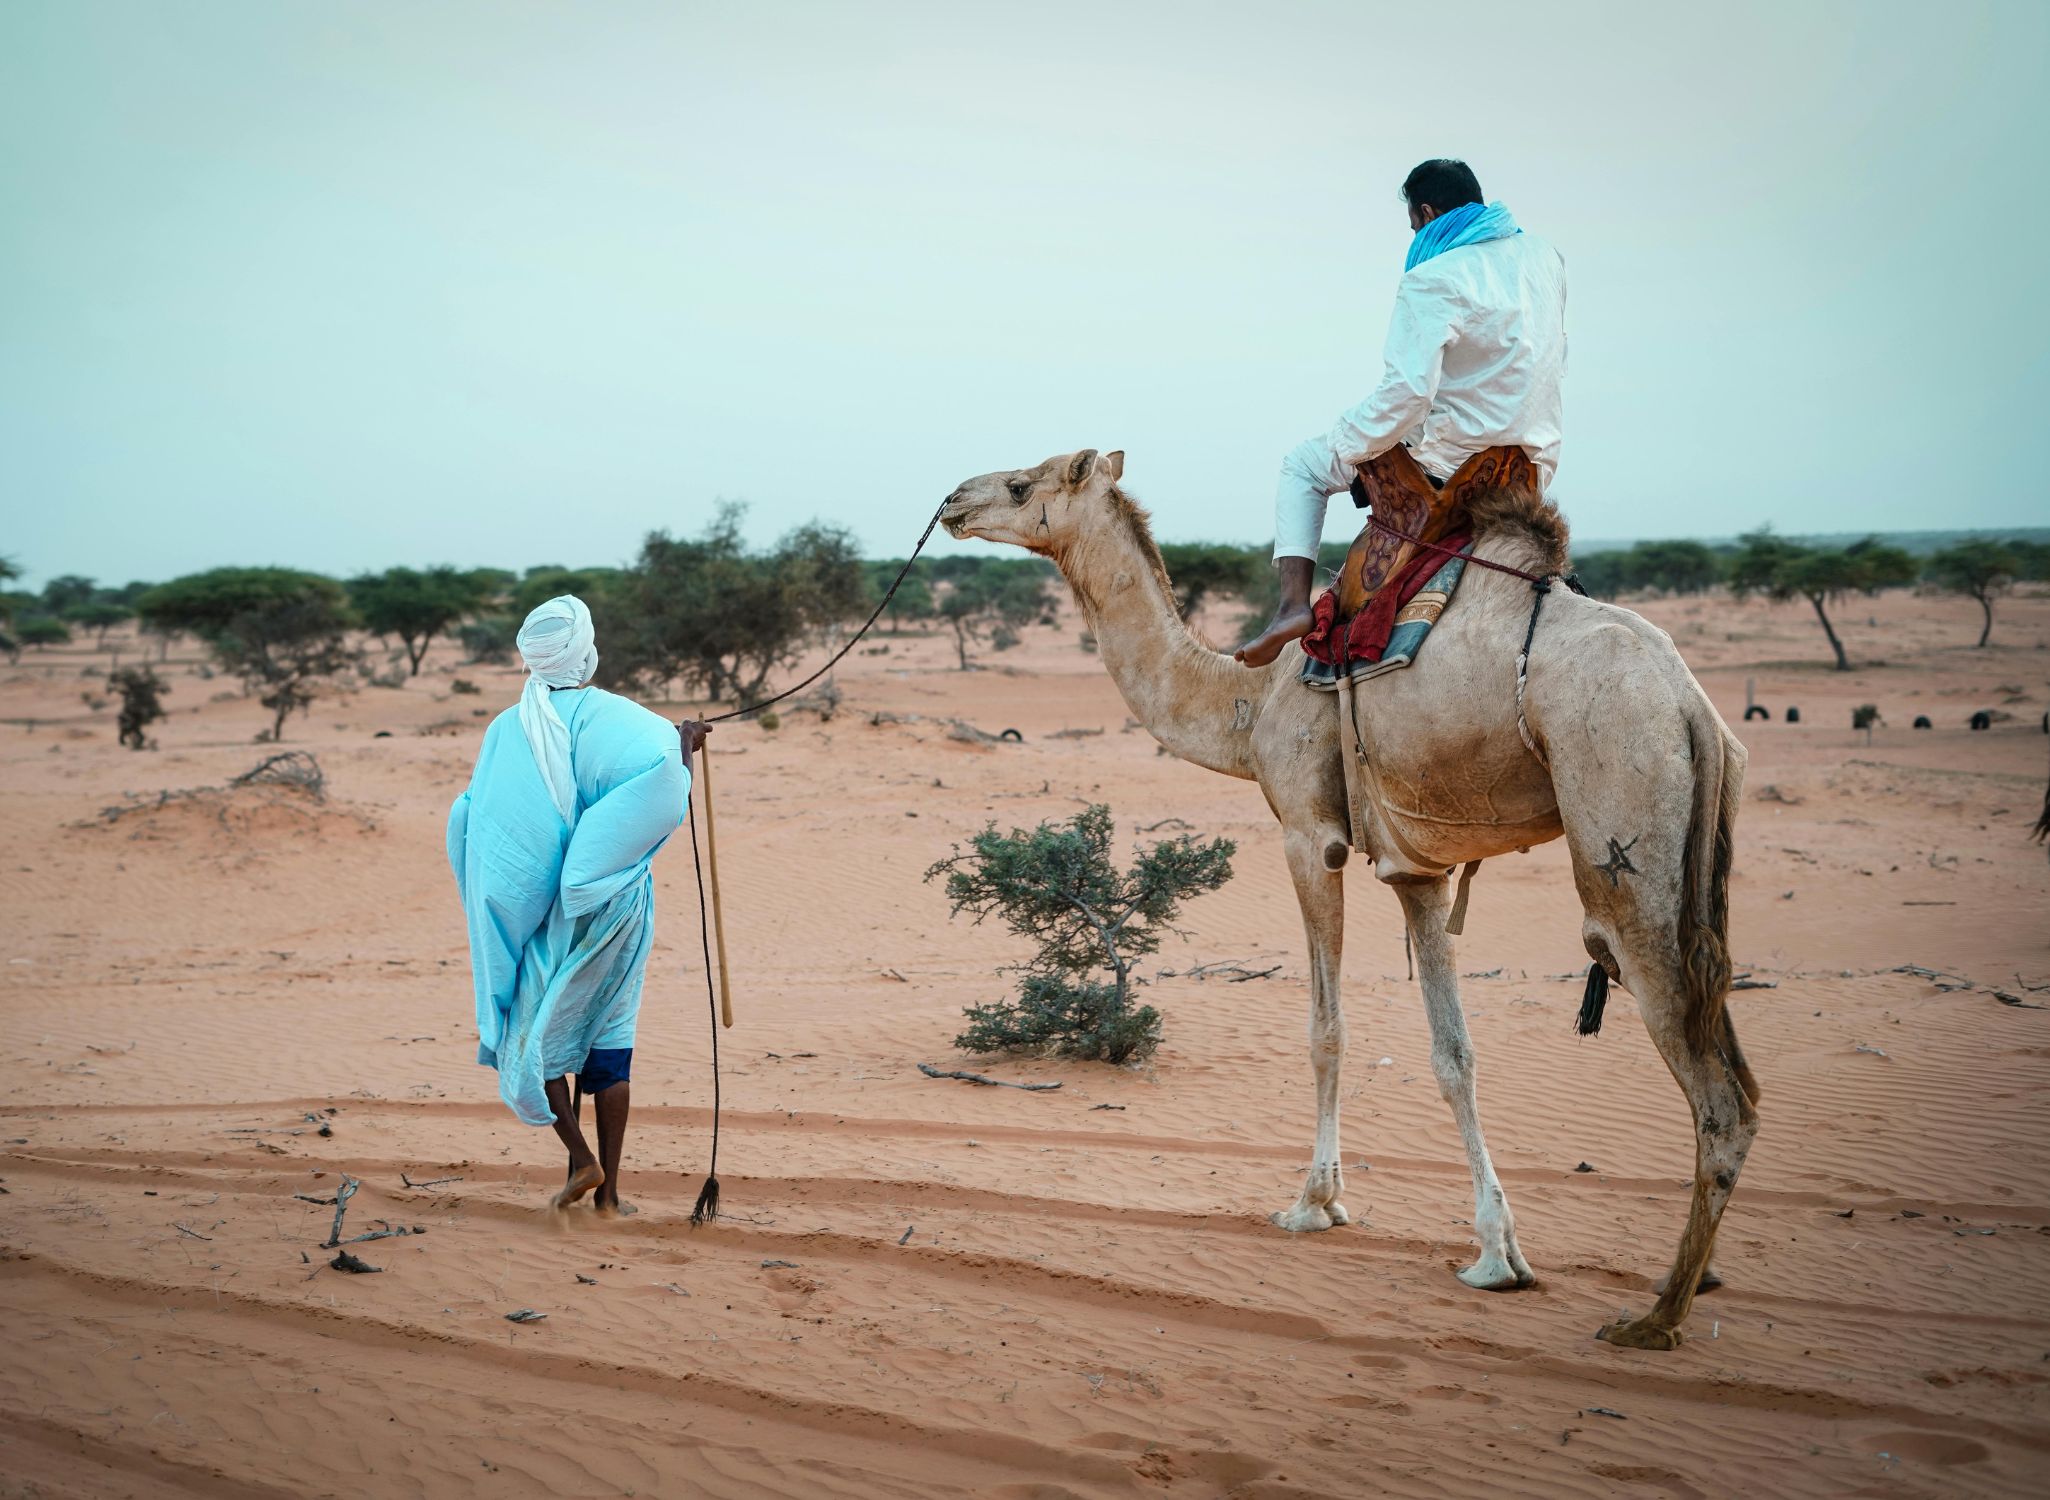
<point x="1365" y="636"/>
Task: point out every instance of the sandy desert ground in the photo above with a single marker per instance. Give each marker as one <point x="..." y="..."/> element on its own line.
<point x="219" y="1004"/>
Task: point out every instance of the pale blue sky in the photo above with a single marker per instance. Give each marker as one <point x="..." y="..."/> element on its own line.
<point x="352" y="284"/>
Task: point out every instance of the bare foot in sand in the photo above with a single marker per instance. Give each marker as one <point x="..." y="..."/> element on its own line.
<point x="581" y="1181"/>
<point x="1290" y="623"/>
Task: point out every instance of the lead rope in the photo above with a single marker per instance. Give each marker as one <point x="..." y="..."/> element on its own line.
<point x="708" y="1197"/>
<point x="707" y="1207"/>
<point x="866" y="626"/>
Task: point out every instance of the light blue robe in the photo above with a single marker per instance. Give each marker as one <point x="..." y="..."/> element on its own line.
<point x="561" y="914"/>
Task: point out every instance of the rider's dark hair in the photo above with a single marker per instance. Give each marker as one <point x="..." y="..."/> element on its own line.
<point x="1443" y="184"/>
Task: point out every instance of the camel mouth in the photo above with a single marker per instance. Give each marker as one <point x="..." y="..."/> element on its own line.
<point x="956" y="522"/>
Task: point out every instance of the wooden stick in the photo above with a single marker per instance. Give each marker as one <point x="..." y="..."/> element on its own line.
<point x="712" y="865"/>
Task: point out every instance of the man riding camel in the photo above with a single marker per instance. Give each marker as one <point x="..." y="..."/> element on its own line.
<point x="1475" y="355"/>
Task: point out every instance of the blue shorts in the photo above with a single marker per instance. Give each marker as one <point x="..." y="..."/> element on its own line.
<point x="605" y="1067"/>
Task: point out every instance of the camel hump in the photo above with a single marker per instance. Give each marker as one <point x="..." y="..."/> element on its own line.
<point x="1497" y="490"/>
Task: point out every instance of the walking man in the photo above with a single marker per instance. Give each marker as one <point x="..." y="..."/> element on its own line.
<point x="575" y="790"/>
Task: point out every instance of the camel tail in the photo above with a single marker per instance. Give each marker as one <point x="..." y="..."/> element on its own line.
<point x="1705" y="894"/>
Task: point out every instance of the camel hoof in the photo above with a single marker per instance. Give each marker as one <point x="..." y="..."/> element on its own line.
<point x="1492" y="1273"/>
<point x="1640" y="1333"/>
<point x="1338" y="1213"/>
<point x="1304" y="1218"/>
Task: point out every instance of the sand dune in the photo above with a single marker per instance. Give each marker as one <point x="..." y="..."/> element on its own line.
<point x="926" y="1288"/>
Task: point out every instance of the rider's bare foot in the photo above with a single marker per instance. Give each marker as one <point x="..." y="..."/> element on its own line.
<point x="580" y="1182"/>
<point x="1290" y="623"/>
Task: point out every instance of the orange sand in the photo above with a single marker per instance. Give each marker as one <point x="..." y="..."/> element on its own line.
<point x="1090" y="1300"/>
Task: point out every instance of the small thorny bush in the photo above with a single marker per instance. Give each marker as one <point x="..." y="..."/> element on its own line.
<point x="1056" y="884"/>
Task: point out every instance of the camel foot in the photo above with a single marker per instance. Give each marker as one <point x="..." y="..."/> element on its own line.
<point x="1304" y="1218"/>
<point x="1338" y="1213"/>
<point x="581" y="1182"/>
<point x="1287" y="625"/>
<point x="1708" y="1283"/>
<point x="1640" y="1333"/>
<point x="1497" y="1273"/>
<point x="617" y="1208"/>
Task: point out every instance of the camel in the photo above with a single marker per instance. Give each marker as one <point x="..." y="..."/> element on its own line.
<point x="1627" y="760"/>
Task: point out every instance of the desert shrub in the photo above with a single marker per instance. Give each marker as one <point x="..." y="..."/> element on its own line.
<point x="141" y="693"/>
<point x="1057" y="885"/>
<point x="771" y="721"/>
<point x="464" y="685"/>
<point x="42" y="630"/>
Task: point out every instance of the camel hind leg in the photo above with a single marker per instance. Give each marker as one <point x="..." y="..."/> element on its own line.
<point x="1725" y="1125"/>
<point x="1649" y="818"/>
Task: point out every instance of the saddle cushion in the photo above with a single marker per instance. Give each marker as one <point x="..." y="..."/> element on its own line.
<point x="1410" y="602"/>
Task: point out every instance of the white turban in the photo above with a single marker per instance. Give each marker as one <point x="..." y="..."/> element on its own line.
<point x="560" y="649"/>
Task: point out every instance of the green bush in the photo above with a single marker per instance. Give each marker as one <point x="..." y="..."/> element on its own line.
<point x="1057" y="885"/>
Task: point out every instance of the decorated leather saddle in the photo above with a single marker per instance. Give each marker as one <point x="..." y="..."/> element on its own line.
<point x="1402" y="569"/>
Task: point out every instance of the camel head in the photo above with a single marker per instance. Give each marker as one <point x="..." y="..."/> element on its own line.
<point x="1042" y="509"/>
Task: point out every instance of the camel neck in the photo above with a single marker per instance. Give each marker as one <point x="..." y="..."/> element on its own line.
<point x="1195" y="701"/>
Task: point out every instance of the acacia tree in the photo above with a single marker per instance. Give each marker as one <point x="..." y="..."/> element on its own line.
<point x="966" y="607"/>
<point x="99" y="615"/>
<point x="913" y="599"/>
<point x="1201" y="570"/>
<point x="1980" y="569"/>
<point x="416" y="605"/>
<point x="279" y="630"/>
<point x="712" y="612"/>
<point x="67" y="590"/>
<point x="1057" y="886"/>
<point x="1783" y="569"/>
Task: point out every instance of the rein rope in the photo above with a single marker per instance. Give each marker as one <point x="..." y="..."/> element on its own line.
<point x="854" y="640"/>
<point x="707" y="1206"/>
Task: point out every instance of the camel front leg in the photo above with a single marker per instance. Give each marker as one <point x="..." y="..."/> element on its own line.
<point x="1501" y="1267"/>
<point x="1314" y="862"/>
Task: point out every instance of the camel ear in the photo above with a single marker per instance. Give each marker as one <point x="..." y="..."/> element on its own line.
<point x="1115" y="462"/>
<point x="1080" y="466"/>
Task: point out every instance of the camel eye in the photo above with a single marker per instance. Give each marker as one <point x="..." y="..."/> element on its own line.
<point x="1020" y="488"/>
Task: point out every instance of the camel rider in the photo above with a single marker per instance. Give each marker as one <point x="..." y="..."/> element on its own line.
<point x="1475" y="355"/>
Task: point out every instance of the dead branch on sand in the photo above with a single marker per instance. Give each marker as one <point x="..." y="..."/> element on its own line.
<point x="342" y="1196"/>
<point x="996" y="1083"/>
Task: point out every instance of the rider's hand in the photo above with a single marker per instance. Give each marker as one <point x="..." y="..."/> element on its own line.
<point x="692" y="732"/>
